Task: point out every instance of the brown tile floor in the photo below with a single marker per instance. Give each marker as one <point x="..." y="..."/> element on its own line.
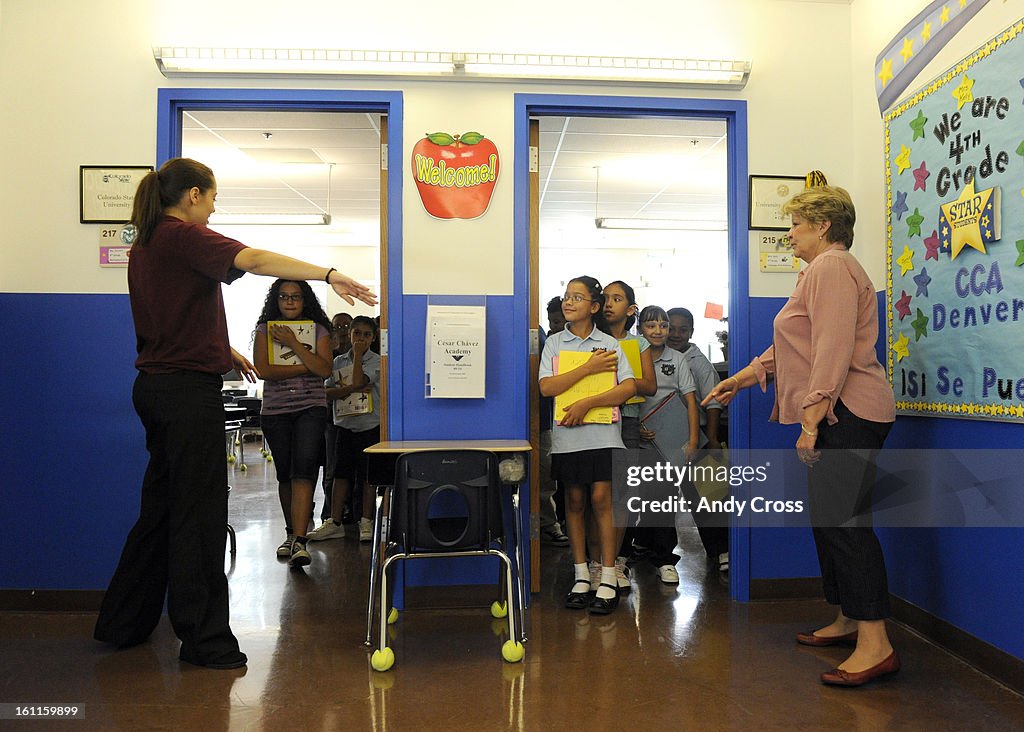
<point x="669" y="658"/>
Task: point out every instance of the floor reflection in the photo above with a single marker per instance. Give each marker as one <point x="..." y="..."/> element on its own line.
<point x="683" y="657"/>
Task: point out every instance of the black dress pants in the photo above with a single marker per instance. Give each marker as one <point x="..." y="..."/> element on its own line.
<point x="176" y="548"/>
<point x="852" y="565"/>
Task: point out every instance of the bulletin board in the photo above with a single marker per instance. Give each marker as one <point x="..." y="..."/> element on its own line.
<point x="955" y="194"/>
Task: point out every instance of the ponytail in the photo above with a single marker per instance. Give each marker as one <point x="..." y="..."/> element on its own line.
<point x="164" y="188"/>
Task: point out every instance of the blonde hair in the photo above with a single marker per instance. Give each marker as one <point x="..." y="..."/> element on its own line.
<point x="826" y="203"/>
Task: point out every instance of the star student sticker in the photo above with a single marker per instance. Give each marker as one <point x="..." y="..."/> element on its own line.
<point x="972" y="220"/>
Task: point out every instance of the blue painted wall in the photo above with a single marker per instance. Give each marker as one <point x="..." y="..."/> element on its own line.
<point x="72" y="453"/>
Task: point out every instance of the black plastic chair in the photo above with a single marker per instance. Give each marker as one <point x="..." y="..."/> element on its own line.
<point x="251" y="425"/>
<point x="447" y="504"/>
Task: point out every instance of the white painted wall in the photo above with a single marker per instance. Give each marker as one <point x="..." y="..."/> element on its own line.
<point x="78" y="85"/>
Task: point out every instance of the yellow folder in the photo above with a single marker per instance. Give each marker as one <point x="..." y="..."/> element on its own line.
<point x="587" y="386"/>
<point x="632" y="350"/>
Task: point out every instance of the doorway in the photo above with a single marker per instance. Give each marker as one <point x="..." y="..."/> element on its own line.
<point x="728" y="113"/>
<point x="386" y="107"/>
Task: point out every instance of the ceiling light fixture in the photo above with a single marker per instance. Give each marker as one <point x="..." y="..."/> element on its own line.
<point x="193" y="61"/>
<point x="660" y="224"/>
<point x="629" y="69"/>
<point x="196" y="61"/>
<point x="269" y="219"/>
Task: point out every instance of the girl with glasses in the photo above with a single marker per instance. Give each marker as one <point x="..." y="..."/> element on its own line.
<point x="294" y="411"/>
<point x="581" y="451"/>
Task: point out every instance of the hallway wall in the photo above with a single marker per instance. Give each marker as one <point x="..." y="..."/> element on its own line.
<point x="79" y="87"/>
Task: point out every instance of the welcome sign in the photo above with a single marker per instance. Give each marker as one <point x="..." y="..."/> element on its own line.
<point x="955" y="194"/>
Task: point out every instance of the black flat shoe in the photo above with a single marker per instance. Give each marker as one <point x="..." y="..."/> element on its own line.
<point x="229" y="660"/>
<point x="578" y="600"/>
<point x="603" y="606"/>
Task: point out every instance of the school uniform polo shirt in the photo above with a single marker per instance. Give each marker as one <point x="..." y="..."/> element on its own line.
<point x="674" y="377"/>
<point x="371" y="369"/>
<point x="705" y="378"/>
<point x="584" y="436"/>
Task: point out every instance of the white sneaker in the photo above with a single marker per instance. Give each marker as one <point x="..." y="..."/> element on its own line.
<point x="300" y="557"/>
<point x="328" y="530"/>
<point x="622" y="575"/>
<point x="365" y="529"/>
<point x="668" y="574"/>
<point x="284" y="549"/>
<point x="723" y="562"/>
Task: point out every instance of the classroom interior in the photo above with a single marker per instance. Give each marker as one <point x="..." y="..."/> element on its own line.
<point x="717" y="651"/>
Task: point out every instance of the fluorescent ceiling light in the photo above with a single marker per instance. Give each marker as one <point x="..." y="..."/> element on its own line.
<point x="186" y="61"/>
<point x="660" y="224"/>
<point x="191" y="61"/>
<point x="269" y="219"/>
<point x="606" y="68"/>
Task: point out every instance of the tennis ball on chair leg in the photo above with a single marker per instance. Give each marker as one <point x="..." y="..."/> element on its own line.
<point x="512" y="651"/>
<point x="499" y="609"/>
<point x="382" y="660"/>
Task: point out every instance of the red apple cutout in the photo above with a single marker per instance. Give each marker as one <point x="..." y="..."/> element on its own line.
<point x="455" y="176"/>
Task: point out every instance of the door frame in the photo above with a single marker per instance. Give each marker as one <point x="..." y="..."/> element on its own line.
<point x="734" y="114"/>
<point x="171" y="102"/>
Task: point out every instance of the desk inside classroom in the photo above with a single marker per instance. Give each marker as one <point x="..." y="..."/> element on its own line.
<point x="381" y="472"/>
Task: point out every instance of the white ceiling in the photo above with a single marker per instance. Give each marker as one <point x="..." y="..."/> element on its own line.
<point x="589" y="167"/>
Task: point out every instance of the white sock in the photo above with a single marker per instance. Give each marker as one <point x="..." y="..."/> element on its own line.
<point x="582" y="574"/>
<point x="607" y="578"/>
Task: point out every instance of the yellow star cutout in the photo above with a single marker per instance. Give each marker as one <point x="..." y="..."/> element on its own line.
<point x="908" y="49"/>
<point x="906" y="260"/>
<point x="963" y="4"/>
<point x="900" y="347"/>
<point x="944" y="15"/>
<point x="926" y="33"/>
<point x="903" y="159"/>
<point x="964" y="215"/>
<point x="963" y="94"/>
<point x="886" y="73"/>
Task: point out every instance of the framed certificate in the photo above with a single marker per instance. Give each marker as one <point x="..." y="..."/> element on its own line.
<point x="106" y="193"/>
<point x="767" y="194"/>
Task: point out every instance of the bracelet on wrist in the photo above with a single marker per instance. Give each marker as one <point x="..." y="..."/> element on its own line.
<point x="736" y="381"/>
<point x="327" y="277"/>
<point x="808" y="432"/>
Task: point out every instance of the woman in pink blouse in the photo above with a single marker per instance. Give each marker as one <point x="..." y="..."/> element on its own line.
<point x="829" y="381"/>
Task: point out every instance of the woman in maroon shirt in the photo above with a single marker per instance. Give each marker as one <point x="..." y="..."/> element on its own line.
<point x="829" y="381"/>
<point x="176" y="548"/>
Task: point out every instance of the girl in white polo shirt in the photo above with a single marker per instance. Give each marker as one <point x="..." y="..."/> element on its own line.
<point x="581" y="453"/>
<point x="674" y="379"/>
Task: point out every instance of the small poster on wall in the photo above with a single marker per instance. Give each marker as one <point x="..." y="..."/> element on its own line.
<point x="456" y="351"/>
<point x="455" y="174"/>
<point x="107" y="193"/>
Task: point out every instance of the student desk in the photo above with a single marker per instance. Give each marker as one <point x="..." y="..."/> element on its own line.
<point x="381" y="474"/>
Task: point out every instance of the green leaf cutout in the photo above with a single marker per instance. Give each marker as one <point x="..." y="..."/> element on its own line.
<point x="471" y="138"/>
<point x="1020" y="148"/>
<point x="441" y="138"/>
